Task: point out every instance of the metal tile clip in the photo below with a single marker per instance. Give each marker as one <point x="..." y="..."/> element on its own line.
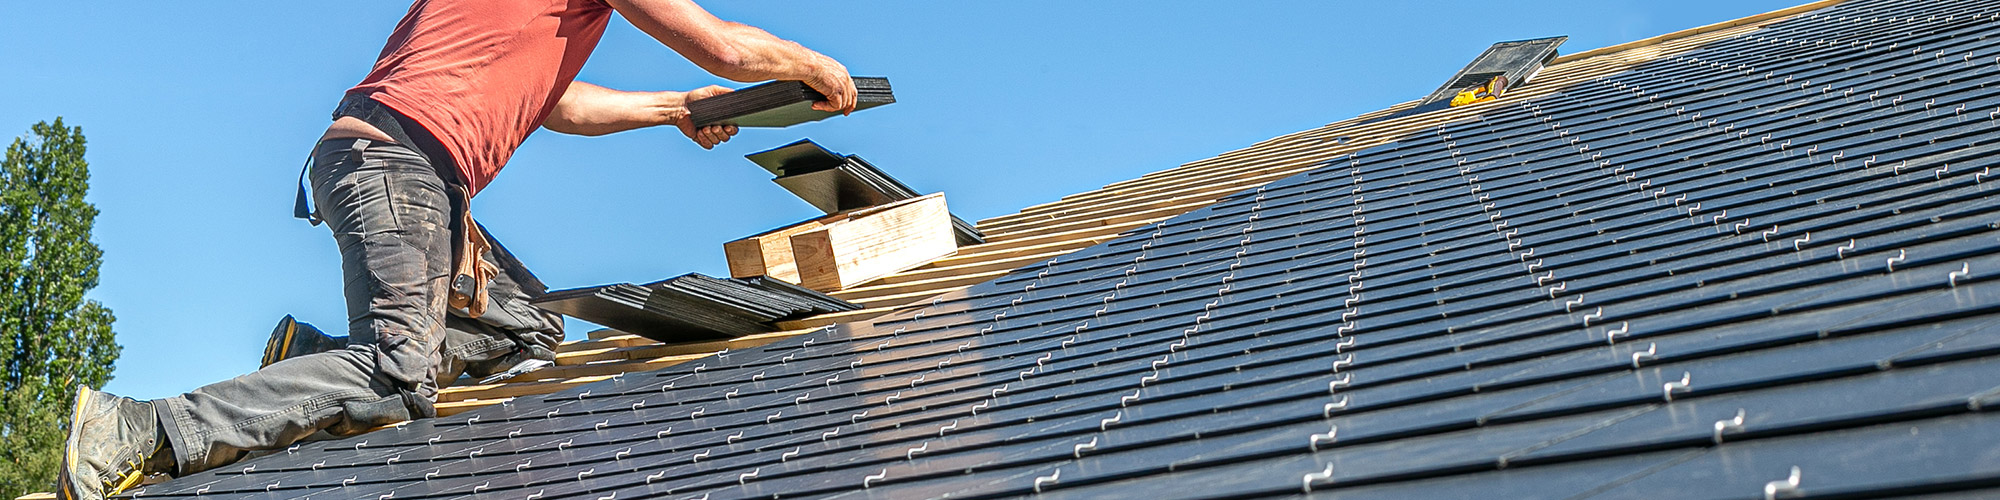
<point x="1611" y="337"/>
<point x="1083" y="447"/>
<point x="1787" y="487"/>
<point x="1105" y="425"/>
<point x="1667" y="389"/>
<point x="1049" y="479"/>
<point x="1333" y="386"/>
<point x="1727" y="424"/>
<point x="1317" y="476"/>
<point x="1314" y="441"/>
<point x="1327" y="412"/>
<point x="1651" y="350"/>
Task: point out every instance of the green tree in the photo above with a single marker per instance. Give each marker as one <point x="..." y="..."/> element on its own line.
<point x="51" y="337"/>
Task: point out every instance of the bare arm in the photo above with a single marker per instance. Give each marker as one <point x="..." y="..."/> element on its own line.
<point x="738" y="52"/>
<point x="587" y="109"/>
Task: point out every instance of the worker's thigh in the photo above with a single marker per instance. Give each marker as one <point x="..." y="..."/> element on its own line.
<point x="389" y="213"/>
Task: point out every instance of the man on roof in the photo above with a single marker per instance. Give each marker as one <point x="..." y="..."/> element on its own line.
<point x="459" y="85"/>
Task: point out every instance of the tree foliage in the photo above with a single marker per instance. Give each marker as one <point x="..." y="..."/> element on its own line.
<point x="51" y="338"/>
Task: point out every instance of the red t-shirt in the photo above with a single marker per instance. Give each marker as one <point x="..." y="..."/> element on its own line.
<point x="482" y="75"/>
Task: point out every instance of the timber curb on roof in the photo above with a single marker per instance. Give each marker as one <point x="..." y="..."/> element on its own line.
<point x="1760" y="267"/>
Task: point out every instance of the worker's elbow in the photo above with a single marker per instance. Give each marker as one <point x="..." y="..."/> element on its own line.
<point x="728" y="62"/>
<point x="560" y="126"/>
<point x="582" y="131"/>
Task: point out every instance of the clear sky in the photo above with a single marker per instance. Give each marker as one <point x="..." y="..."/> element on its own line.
<point x="199" y="114"/>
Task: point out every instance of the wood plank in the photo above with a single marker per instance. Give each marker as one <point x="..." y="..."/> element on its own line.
<point x="1064" y="245"/>
<point x="770" y="253"/>
<point x="1147" y="211"/>
<point x="934" y="271"/>
<point x="871" y="295"/>
<point x="871" y="244"/>
<point x="1099" y="233"/>
<point x="606" y="351"/>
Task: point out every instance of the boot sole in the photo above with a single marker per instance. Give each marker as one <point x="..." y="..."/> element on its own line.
<point x="274" y="350"/>
<point x="76" y="414"/>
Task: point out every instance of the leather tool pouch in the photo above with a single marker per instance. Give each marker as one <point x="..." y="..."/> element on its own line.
<point x="470" y="273"/>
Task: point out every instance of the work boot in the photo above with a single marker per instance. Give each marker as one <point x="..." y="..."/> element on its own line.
<point x="113" y="444"/>
<point x="293" y="338"/>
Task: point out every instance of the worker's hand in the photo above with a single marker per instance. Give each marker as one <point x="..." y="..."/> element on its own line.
<point x="711" y="135"/>
<point x="830" y="78"/>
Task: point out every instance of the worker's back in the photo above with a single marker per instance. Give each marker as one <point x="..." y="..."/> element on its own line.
<point x="482" y="75"/>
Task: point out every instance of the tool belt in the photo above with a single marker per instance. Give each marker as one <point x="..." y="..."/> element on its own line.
<point x="470" y="273"/>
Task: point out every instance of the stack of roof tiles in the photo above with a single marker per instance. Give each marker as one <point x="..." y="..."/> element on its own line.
<point x="834" y="182"/>
<point x="782" y="103"/>
<point x="692" y="306"/>
<point x="1755" y="260"/>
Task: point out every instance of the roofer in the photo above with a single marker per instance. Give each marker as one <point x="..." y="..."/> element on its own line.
<point x="459" y="86"/>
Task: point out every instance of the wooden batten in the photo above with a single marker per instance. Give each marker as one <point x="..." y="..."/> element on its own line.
<point x="849" y="248"/>
<point x="875" y="243"/>
<point x="770" y="253"/>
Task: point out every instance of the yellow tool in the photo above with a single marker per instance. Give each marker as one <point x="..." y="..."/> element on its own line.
<point x="1490" y="91"/>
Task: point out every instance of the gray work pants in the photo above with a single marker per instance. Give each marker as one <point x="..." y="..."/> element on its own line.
<point x="393" y="217"/>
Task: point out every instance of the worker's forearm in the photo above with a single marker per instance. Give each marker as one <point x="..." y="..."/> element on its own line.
<point x="587" y="109"/>
<point x="756" y="55"/>
<point x="730" y="50"/>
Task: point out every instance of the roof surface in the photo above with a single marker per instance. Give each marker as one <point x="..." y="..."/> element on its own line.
<point x="1043" y="231"/>
<point x="1753" y="260"/>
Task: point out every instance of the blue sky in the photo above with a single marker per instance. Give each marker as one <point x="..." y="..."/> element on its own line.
<point x="199" y="114"/>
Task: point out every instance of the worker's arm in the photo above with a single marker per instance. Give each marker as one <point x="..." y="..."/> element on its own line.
<point x="587" y="109"/>
<point x="739" y="52"/>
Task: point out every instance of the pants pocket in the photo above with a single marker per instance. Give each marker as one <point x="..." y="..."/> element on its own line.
<point x="362" y="415"/>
